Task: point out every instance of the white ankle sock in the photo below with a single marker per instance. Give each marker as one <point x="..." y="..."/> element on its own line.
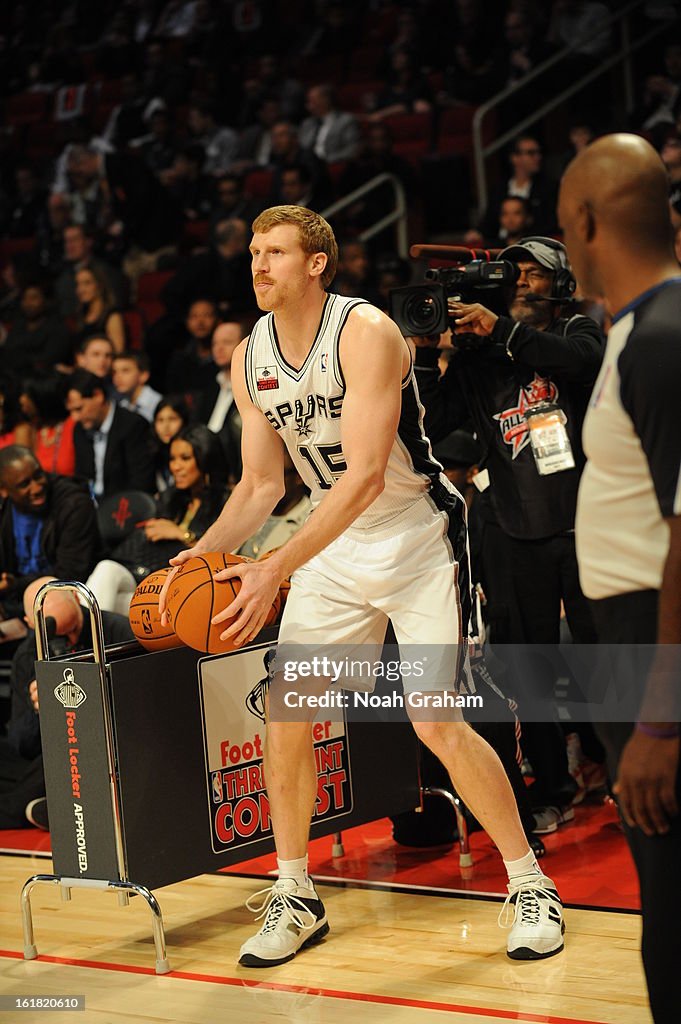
<point x="523" y="869"/>
<point x="295" y="869"/>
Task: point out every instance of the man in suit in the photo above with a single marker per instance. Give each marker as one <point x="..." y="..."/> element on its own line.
<point x="112" y="449"/>
<point x="216" y="406"/>
<point x="332" y="134"/>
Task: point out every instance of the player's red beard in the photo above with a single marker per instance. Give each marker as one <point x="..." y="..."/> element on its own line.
<point x="265" y="298"/>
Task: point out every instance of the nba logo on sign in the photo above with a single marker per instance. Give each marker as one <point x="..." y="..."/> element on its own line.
<point x="217" y="787"/>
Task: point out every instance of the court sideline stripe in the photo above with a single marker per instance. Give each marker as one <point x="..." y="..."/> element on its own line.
<point x="329" y="993"/>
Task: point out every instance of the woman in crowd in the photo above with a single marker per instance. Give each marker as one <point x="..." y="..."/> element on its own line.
<point x="13" y="430"/>
<point x="97" y="309"/>
<point x="184" y="512"/>
<point x="170" y="417"/>
<point x="42" y="402"/>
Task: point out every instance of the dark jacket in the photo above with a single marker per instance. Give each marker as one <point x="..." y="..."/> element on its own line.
<point x="23" y="728"/>
<point x="70" y="540"/>
<point x="490" y="386"/>
<point x="229" y="434"/>
<point x="128" y="462"/>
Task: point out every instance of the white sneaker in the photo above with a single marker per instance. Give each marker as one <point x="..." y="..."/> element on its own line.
<point x="294" y="918"/>
<point x="536" y="920"/>
<point x="547" y="819"/>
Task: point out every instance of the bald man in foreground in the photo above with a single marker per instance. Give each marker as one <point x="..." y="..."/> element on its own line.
<point x="614" y="211"/>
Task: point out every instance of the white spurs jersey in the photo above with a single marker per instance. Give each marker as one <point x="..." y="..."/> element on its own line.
<point x="304" y="407"/>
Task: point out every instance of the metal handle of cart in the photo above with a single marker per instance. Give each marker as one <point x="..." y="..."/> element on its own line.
<point x="121" y="885"/>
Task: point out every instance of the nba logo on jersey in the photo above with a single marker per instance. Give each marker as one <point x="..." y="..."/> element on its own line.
<point x="323" y="361"/>
<point x="217" y="787"/>
<point x="266" y="378"/>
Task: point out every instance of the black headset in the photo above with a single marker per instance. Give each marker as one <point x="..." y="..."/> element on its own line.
<point x="564" y="284"/>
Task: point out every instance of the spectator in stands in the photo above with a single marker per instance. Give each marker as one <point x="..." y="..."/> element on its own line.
<point x="191" y="368"/>
<point x="97" y="311"/>
<point x="295" y="188"/>
<point x="127" y="121"/>
<point x="255" y="144"/>
<point x="287" y="516"/>
<point x="162" y="76"/>
<point x="22" y="788"/>
<point x="218" y="143"/>
<point x="38" y="339"/>
<point x="354" y="276"/>
<point x="527" y="181"/>
<point x="287" y="151"/>
<point x="526" y="47"/>
<point x="142" y="217"/>
<point x="223" y="274"/>
<point x="332" y="134"/>
<point x="579" y="24"/>
<point x="13" y="427"/>
<point x="112" y="450"/>
<point x="170" y="416"/>
<point x="43" y="403"/>
<point x="515" y="221"/>
<point x="232" y="201"/>
<point x="407" y="91"/>
<point x="191" y="190"/>
<point x="95" y="354"/>
<point x="215" y="405"/>
<point x="662" y="96"/>
<point x="48" y="524"/>
<point x="78" y="249"/>
<point x="50" y="235"/>
<point x="176" y="20"/>
<point x="130" y="380"/>
<point x="184" y="512"/>
<point x="271" y="83"/>
<point x="376" y="156"/>
<point x="26" y="206"/>
<point x="158" y="147"/>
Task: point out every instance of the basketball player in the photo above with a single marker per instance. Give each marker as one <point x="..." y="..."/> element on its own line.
<point x="331" y="379"/>
<point x="614" y="208"/>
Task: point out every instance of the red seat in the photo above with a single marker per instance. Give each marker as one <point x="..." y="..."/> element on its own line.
<point x="352" y="95"/>
<point x="195" y="233"/>
<point x="40" y="141"/>
<point x="10" y="247"/>
<point x="27" y="107"/>
<point x="134" y="329"/>
<point x="411" y="127"/>
<point x="412" y="151"/>
<point x="150" y="286"/>
<point x="258" y="184"/>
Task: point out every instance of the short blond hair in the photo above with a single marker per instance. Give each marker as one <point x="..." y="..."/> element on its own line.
<point x="316" y="234"/>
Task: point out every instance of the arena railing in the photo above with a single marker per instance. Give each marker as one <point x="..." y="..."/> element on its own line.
<point x="481" y="152"/>
<point x="398" y="216"/>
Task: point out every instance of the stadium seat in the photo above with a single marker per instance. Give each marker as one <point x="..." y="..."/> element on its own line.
<point x="27" y="107"/>
<point x="135" y="325"/>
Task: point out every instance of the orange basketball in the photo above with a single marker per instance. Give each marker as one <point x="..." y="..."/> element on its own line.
<point x="145" y="620"/>
<point x="195" y="597"/>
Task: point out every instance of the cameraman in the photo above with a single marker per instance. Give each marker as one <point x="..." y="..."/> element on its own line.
<point x="501" y="366"/>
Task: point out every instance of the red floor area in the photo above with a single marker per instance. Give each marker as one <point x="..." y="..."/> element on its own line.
<point x="588" y="858"/>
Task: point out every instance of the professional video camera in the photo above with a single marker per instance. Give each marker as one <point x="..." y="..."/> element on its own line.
<point x="422" y="309"/>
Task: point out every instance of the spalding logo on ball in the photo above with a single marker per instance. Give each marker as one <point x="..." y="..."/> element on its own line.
<point x="195" y="596"/>
<point x="145" y="620"/>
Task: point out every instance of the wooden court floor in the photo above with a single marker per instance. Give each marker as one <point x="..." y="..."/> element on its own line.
<point x="403" y="957"/>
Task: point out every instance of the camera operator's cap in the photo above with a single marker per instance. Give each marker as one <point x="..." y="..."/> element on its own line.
<point x="553" y="257"/>
<point x="457" y="449"/>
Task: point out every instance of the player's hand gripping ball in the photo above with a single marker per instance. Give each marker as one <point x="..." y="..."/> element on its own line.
<point x="145" y="620"/>
<point x="195" y="597"/>
<point x="285" y="584"/>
